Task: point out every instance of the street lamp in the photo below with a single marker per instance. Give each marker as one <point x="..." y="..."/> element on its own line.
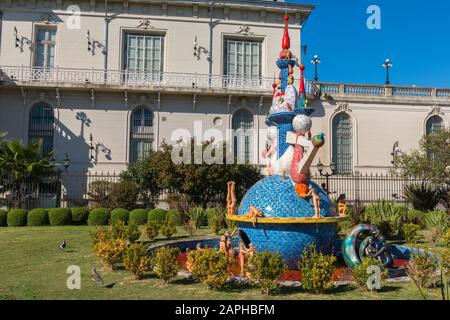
<point x="387" y="64"/>
<point x="65" y="162"/>
<point x="315" y="61"/>
<point x="327" y="175"/>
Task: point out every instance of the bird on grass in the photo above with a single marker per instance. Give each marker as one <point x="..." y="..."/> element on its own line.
<point x="96" y="277"/>
<point x="63" y="245"/>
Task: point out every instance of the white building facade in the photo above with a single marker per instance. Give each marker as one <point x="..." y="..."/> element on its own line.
<point x="105" y="91"/>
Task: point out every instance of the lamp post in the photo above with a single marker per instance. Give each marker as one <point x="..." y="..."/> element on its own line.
<point x="327" y="175"/>
<point x="315" y="61"/>
<point x="387" y="64"/>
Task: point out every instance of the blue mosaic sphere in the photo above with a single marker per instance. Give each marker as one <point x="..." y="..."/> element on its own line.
<point x="276" y="197"/>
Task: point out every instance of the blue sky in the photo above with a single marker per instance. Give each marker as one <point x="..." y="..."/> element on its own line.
<point x="414" y="34"/>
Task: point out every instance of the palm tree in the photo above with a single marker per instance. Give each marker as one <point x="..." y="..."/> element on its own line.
<point x="22" y="165"/>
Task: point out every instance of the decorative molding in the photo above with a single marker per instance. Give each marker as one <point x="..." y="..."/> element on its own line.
<point x="58" y="97"/>
<point x="229" y="103"/>
<point x="260" y="104"/>
<point x="159" y="100"/>
<point x="245" y="30"/>
<point x="145" y="23"/>
<point x="436" y="111"/>
<point x="194" y="102"/>
<point x="164" y="9"/>
<point x="263" y="14"/>
<point x="125" y="98"/>
<point x="93" y="98"/>
<point x="125" y="6"/>
<point x="226" y="13"/>
<point x="92" y="5"/>
<point x="343" y="106"/>
<point x="195" y="11"/>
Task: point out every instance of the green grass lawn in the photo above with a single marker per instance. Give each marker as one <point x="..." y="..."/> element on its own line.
<point x="32" y="267"/>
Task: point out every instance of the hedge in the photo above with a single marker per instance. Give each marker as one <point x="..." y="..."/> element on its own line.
<point x="119" y="214"/>
<point x="38" y="217"/>
<point x="60" y="217"/>
<point x="157" y="215"/>
<point x="3" y="218"/>
<point x="174" y="216"/>
<point x="138" y="217"/>
<point x="99" y="217"/>
<point x="79" y="215"/>
<point x="17" y="218"/>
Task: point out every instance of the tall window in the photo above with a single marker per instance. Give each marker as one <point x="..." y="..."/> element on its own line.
<point x="45" y="48"/>
<point x="434" y="124"/>
<point x="243" y="136"/>
<point x="144" y="56"/>
<point x="41" y="127"/>
<point x="342" y="143"/>
<point x="141" y="133"/>
<point x="243" y="61"/>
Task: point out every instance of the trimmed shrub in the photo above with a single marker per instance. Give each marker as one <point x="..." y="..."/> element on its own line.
<point x="3" y="218"/>
<point x="409" y="232"/>
<point x="138" y="217"/>
<point x="112" y="251"/>
<point x="151" y="230"/>
<point x="166" y="263"/>
<point x="317" y="269"/>
<point x="136" y="260"/>
<point x="266" y="268"/>
<point x="175" y="217"/>
<point x="99" y="217"/>
<point x="119" y="214"/>
<point x="360" y="274"/>
<point x="209" y="266"/>
<point x="157" y="215"/>
<point x="17" y="218"/>
<point x="60" y="217"/>
<point x="38" y="217"/>
<point x="124" y="194"/>
<point x="168" y="228"/>
<point x="79" y="216"/>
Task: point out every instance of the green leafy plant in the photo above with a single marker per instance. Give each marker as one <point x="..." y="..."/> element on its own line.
<point x="168" y="228"/>
<point x="124" y="194"/>
<point x="111" y="252"/>
<point x="421" y="268"/>
<point x="99" y="193"/>
<point x="189" y="227"/>
<point x="151" y="230"/>
<point x="174" y="215"/>
<point x="437" y="219"/>
<point x="158" y="215"/>
<point x="360" y="274"/>
<point x="17" y="218"/>
<point x="266" y="268"/>
<point x="136" y="260"/>
<point x="60" y="217"/>
<point x="216" y="219"/>
<point x="79" y="215"/>
<point x="119" y="214"/>
<point x="415" y="217"/>
<point x="423" y="196"/>
<point x="138" y="217"/>
<point x="409" y="232"/>
<point x="166" y="265"/>
<point x="3" y="218"/>
<point x="317" y="269"/>
<point x="387" y="216"/>
<point x="209" y="266"/>
<point x="99" y="217"/>
<point x="198" y="217"/>
<point x="445" y="240"/>
<point x="38" y="217"/>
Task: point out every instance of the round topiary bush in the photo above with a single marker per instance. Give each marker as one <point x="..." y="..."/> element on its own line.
<point x="99" y="217"/>
<point x="119" y="214"/>
<point x="60" y="217"/>
<point x="174" y="216"/>
<point x="38" y="217"/>
<point x="157" y="215"/>
<point x="3" y="218"/>
<point x="17" y="218"/>
<point x="138" y="217"/>
<point x="79" y="216"/>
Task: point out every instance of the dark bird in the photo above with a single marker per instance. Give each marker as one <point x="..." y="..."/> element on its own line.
<point x="96" y="277"/>
<point x="62" y="246"/>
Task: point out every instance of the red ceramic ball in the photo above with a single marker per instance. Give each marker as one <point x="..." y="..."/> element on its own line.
<point x="302" y="67"/>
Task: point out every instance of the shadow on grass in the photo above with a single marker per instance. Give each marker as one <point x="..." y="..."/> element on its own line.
<point x="237" y="287"/>
<point x="386" y="289"/>
<point x="285" y="290"/>
<point x="184" y="281"/>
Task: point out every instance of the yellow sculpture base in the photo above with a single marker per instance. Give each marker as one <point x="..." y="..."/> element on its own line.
<point x="240" y="218"/>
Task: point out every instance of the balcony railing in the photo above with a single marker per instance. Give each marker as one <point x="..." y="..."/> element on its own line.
<point x="124" y="78"/>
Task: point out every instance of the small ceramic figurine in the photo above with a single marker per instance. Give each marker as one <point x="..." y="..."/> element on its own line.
<point x="254" y="214"/>
<point x="243" y="252"/>
<point x="342" y="206"/>
<point x="315" y="199"/>
<point x="231" y="198"/>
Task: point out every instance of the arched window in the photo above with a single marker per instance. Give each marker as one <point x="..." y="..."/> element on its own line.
<point x="243" y="136"/>
<point x="434" y="124"/>
<point x="342" y="143"/>
<point x="141" y="133"/>
<point x="41" y="126"/>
